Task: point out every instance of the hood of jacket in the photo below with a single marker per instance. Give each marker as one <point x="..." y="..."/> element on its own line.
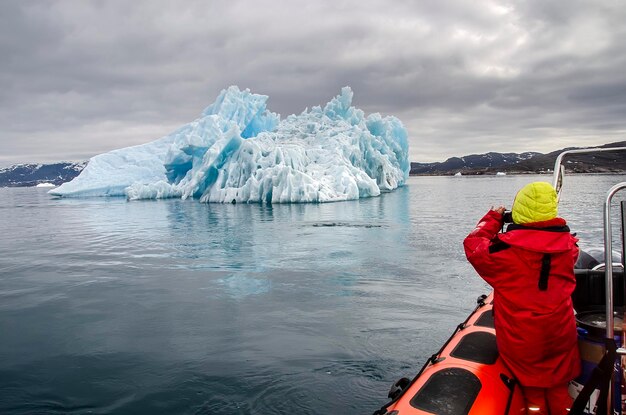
<point x="550" y="236"/>
<point x="535" y="202"/>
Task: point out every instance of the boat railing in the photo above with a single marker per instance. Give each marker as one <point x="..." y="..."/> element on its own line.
<point x="559" y="174"/>
<point x="559" y="168"/>
<point x="623" y="204"/>
<point x="600" y="267"/>
<point x="608" y="259"/>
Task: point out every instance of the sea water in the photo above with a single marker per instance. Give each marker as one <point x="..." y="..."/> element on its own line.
<point x="179" y="307"/>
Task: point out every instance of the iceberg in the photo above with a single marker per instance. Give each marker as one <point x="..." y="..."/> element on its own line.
<point x="238" y="151"/>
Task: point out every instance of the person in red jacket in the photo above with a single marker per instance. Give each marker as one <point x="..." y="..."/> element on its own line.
<point x="531" y="270"/>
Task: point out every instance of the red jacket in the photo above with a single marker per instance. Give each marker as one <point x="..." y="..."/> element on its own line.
<point x="531" y="269"/>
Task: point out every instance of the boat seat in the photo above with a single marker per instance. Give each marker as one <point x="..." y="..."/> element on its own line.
<point x="450" y="391"/>
<point x="478" y="346"/>
<point x="485" y="320"/>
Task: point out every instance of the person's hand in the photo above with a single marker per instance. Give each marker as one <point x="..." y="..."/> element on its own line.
<point x="500" y="209"/>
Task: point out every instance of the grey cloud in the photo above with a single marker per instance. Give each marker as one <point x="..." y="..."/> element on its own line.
<point x="82" y="77"/>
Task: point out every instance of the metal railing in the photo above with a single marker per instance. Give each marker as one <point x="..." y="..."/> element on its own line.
<point x="559" y="169"/>
<point x="559" y="173"/>
<point x="608" y="259"/>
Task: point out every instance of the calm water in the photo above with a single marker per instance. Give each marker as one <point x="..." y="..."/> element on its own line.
<point x="177" y="307"/>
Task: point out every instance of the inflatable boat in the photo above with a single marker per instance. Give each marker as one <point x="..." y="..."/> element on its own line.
<point x="468" y="377"/>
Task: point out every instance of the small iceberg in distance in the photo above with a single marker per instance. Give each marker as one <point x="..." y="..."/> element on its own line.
<point x="458" y="174"/>
<point x="45" y="185"/>
<point x="500" y="173"/>
<point x="240" y="152"/>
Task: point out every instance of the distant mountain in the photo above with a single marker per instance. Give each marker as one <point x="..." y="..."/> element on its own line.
<point x="475" y="164"/>
<point x="529" y="162"/>
<point x="23" y="175"/>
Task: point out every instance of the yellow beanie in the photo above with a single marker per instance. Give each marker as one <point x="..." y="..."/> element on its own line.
<point x="536" y="202"/>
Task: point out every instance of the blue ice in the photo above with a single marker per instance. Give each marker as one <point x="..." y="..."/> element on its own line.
<point x="238" y="151"/>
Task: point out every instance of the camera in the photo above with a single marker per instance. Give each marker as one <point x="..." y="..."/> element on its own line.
<point x="507" y="216"/>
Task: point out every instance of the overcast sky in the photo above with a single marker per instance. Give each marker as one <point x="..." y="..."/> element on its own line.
<point x="78" y="78"/>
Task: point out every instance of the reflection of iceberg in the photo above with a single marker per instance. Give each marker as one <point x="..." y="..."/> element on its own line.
<point x="239" y="287"/>
<point x="238" y="151"/>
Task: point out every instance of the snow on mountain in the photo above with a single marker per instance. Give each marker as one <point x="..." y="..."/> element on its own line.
<point x="527" y="162"/>
<point x="34" y="174"/>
